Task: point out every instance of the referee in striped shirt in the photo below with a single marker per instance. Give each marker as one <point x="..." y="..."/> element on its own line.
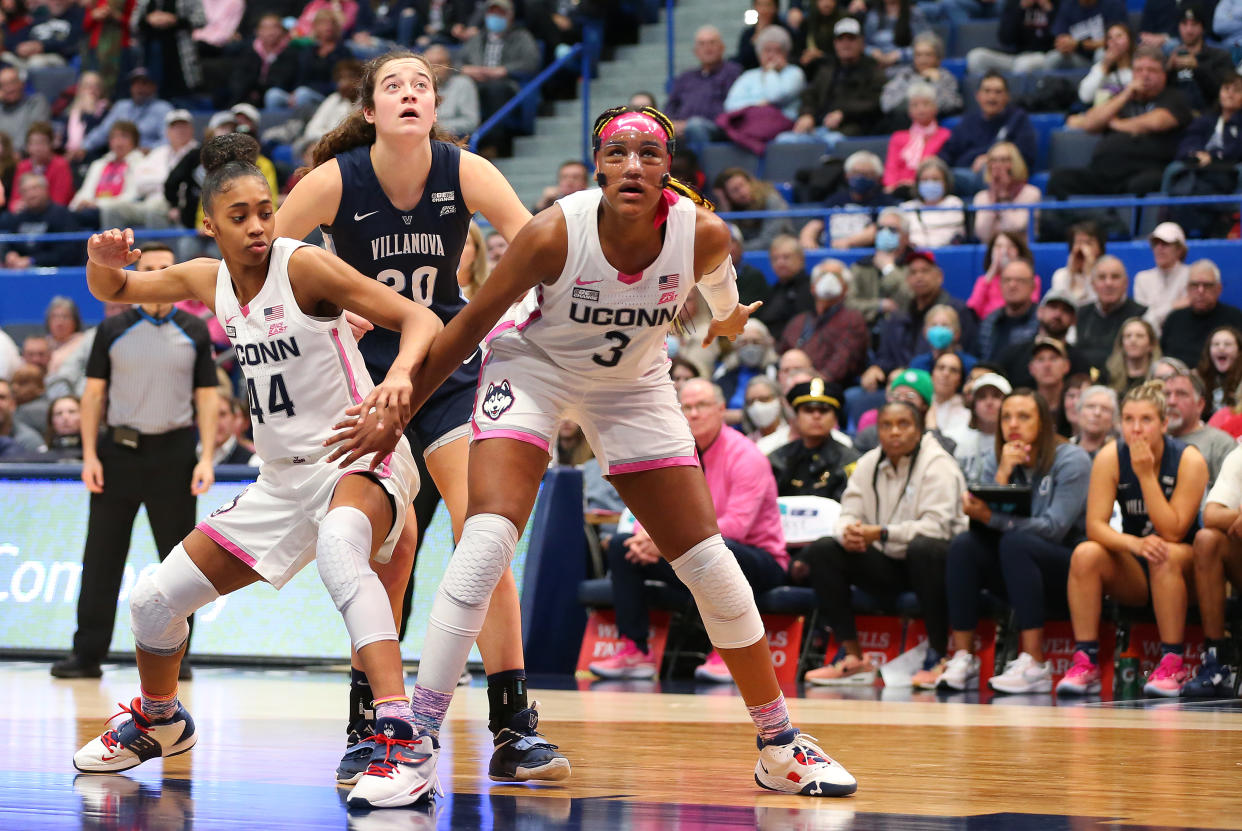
<point x="149" y="379"/>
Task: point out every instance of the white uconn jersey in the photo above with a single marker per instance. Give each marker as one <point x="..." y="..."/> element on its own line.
<point x="301" y="372"/>
<point x="596" y="320"/>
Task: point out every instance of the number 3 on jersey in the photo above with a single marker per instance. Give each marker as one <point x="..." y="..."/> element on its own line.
<point x="278" y="400"/>
<point x="422" y="282"/>
<point x="614" y="356"/>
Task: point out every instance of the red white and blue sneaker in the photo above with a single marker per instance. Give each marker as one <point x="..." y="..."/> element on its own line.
<point x="1166" y="680"/>
<point x="402" y="769"/>
<point x="1213" y="680"/>
<point x="132" y="738"/>
<point x="793" y="763"/>
<point x="522" y="755"/>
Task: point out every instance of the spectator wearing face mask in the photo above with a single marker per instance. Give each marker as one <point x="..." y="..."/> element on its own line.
<point x="752" y="356"/>
<point x="864" y="174"/>
<point x="814" y="464"/>
<point x="832" y="334"/>
<point x="878" y="283"/>
<point x="942" y="328"/>
<point x="765" y="412"/>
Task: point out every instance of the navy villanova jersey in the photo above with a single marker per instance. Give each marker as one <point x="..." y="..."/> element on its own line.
<point x="1134" y="519"/>
<point x="416" y="253"/>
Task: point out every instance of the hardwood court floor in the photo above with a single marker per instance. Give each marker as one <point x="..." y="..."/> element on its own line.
<point x="269" y="742"/>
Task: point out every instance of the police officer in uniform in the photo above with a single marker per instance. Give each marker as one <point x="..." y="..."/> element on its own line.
<point x="815" y="463"/>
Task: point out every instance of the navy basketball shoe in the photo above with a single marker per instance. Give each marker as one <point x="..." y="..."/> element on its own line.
<point x="522" y="755"/>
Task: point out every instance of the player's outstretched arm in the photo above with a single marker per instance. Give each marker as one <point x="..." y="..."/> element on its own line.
<point x="111" y="252"/>
<point x="717" y="280"/>
<point x="487" y="191"/>
<point x="536" y="255"/>
<point x="321" y="276"/>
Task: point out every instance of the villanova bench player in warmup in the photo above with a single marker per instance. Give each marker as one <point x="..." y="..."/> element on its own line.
<point x="394" y="198"/>
<point x="281" y="303"/>
<point x="610" y="269"/>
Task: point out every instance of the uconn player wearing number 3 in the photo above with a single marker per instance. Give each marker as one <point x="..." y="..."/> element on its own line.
<point x="607" y="271"/>
<point x="394" y="200"/>
<point x="281" y="303"/>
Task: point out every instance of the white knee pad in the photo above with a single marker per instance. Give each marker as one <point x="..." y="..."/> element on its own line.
<point x="343" y="555"/>
<point x="162" y="601"/>
<point x="725" y="600"/>
<point x="485" y="551"/>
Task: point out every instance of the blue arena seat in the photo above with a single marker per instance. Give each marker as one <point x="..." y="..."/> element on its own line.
<point x="973" y="34"/>
<point x="51" y="81"/>
<point x="876" y="144"/>
<point x="722" y="154"/>
<point x="782" y="161"/>
<point x="1045" y="125"/>
<point x="955" y="67"/>
<point x="1070" y="148"/>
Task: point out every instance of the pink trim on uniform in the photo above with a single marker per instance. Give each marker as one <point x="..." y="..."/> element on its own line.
<point x="629" y="279"/>
<point x="229" y="546"/>
<point x="535" y="315"/>
<point x="518" y="435"/>
<point x="500" y="329"/>
<point x="349" y="370"/>
<point x="245" y="310"/>
<point x="652" y="464"/>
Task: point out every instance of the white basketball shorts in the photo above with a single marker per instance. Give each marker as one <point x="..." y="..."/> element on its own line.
<point x="273" y="525"/>
<point x="631" y="425"/>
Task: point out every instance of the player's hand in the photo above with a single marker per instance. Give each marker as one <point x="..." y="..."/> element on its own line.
<point x="92" y="475"/>
<point x="113" y="249"/>
<point x="1142" y="460"/>
<point x="203" y="478"/>
<point x="358" y="324"/>
<point x="363" y="432"/>
<point x="1153" y="549"/>
<point x="731" y="326"/>
<point x="392" y="399"/>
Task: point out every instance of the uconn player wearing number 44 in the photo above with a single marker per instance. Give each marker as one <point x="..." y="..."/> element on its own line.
<point x="604" y="273"/>
<point x="282" y="303"/>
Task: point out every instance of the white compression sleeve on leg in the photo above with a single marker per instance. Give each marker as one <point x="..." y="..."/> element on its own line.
<point x="485" y="551"/>
<point x="724" y="598"/>
<point x="343" y="555"/>
<point x="719" y="289"/>
<point x="161" y="603"/>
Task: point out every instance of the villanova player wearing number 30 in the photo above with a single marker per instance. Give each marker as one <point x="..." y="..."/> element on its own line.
<point x="282" y="303"/>
<point x="394" y="200"/>
<point x="610" y="269"/>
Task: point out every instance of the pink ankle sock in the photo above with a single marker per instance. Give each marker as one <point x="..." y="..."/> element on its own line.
<point x="772" y="718"/>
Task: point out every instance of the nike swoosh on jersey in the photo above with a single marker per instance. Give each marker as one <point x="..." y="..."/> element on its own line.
<point x="359" y="217"/>
<point x="581" y="282"/>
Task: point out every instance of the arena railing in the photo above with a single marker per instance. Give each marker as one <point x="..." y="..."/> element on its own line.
<point x="577" y="52"/>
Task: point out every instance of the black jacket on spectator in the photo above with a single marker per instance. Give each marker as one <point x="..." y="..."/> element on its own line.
<point x="974" y="134"/>
<point x="1097" y="332"/>
<point x="1200" y="132"/>
<point x="901" y="336"/>
<point x="315" y="70"/>
<point x="453" y="12"/>
<point x="59" y="34"/>
<point x="1184" y="332"/>
<point x="1161" y="16"/>
<point x="1123" y="152"/>
<point x="822" y="471"/>
<point x="786" y="300"/>
<point x="1201" y="85"/>
<point x="255" y="9"/>
<point x="854" y="90"/>
<point x="1025" y="29"/>
<point x="183" y="187"/>
<point x="248" y="82"/>
<point x="752" y="285"/>
<point x="53" y="219"/>
<point x="1017" y="358"/>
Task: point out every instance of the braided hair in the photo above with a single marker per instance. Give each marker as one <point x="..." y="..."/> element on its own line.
<point x="675" y="185"/>
<point x="225" y="158"/>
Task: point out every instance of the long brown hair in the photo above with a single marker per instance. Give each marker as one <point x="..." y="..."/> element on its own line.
<point x="355" y="130"/>
<point x="1228" y="381"/>
<point x="1116" y="363"/>
<point x="1047" y="440"/>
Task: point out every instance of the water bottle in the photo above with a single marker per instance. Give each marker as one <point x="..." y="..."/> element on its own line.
<point x="1128" y="685"/>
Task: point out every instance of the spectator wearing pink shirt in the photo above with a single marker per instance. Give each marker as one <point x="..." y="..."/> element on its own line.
<point x="743" y="492"/>
<point x="346" y="9"/>
<point x="1004" y="248"/>
<point x="908" y="148"/>
<point x="40" y="159"/>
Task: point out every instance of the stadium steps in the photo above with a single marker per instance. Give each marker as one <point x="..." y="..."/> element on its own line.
<point x="640" y="67"/>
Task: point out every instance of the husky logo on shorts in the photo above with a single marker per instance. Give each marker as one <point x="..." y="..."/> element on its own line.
<point x="498" y="400"/>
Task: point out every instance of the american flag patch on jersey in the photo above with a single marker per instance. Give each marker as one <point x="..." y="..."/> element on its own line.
<point x="668" y="282"/>
<point x="274" y="313"/>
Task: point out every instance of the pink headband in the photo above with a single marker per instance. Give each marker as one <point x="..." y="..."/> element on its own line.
<point x="641" y="122"/>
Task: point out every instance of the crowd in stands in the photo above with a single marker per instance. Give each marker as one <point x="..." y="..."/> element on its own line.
<point x="866" y="382"/>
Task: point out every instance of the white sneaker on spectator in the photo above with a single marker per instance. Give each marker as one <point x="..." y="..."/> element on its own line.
<point x="960" y="672"/>
<point x="1023" y="675"/>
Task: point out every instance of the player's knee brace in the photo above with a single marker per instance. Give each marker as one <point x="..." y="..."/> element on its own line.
<point x="343" y="557"/>
<point x="484" y="553"/>
<point x="724" y="598"/>
<point x="161" y="603"/>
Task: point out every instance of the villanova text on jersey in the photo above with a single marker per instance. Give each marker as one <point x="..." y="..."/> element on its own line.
<point x="396" y="245"/>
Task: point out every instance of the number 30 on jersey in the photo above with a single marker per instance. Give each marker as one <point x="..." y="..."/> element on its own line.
<point x="422" y="283"/>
